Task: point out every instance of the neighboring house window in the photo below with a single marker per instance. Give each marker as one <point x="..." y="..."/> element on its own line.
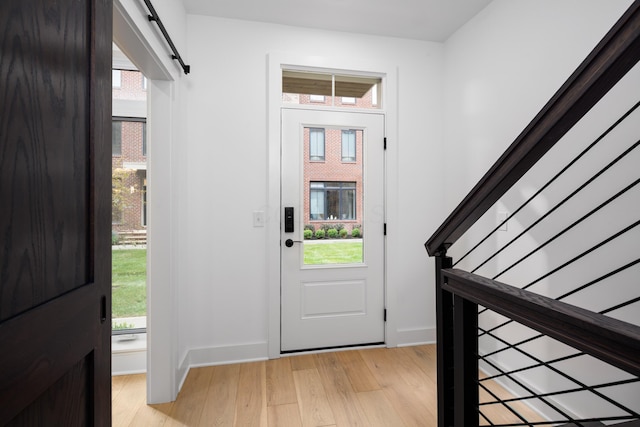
<point x="116" y="78"/>
<point x="316" y="144"/>
<point x="129" y="135"/>
<point x="332" y="200"/>
<point x="348" y="100"/>
<point x="316" y="200"/>
<point x="116" y="138"/>
<point x="316" y="98"/>
<point x="348" y="145"/>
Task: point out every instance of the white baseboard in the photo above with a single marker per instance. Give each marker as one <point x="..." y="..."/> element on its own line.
<point x="182" y="371"/>
<point x="418" y="336"/>
<point x="543" y="410"/>
<point x="253" y="352"/>
<point x="222" y="355"/>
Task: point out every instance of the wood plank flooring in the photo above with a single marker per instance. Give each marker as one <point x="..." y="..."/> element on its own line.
<point x="368" y="387"/>
<point x="376" y="387"/>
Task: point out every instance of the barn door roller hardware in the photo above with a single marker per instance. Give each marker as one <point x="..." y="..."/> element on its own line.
<point x="155" y="18"/>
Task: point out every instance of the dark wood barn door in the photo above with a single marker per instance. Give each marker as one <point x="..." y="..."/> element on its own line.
<point x="55" y="212"/>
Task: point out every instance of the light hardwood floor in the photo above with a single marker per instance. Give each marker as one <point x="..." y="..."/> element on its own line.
<point x="376" y="387"/>
<point x="369" y="387"/>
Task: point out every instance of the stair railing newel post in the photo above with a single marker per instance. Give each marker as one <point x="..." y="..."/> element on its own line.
<point x="457" y="353"/>
<point x="465" y="361"/>
<point x="445" y="345"/>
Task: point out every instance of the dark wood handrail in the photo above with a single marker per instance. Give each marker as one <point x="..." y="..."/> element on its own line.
<point x="609" y="61"/>
<point x="611" y="340"/>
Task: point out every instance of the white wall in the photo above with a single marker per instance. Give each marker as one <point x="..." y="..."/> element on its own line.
<point x="224" y="289"/>
<point x="501" y="68"/>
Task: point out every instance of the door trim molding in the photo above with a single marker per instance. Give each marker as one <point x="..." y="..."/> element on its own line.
<point x="275" y="63"/>
<point x="137" y="39"/>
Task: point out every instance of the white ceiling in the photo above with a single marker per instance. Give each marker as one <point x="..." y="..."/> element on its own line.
<point x="430" y="20"/>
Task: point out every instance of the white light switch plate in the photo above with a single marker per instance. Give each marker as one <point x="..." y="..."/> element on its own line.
<point x="258" y="218"/>
<point x="501" y="216"/>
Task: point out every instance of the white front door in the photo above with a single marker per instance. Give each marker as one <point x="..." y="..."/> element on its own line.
<point x="332" y="180"/>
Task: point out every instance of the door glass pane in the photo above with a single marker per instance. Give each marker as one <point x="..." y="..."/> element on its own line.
<point x="333" y="198"/>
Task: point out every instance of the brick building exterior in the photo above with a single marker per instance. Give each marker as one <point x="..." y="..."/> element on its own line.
<point x="333" y="186"/>
<point x="129" y="161"/>
<point x="368" y="101"/>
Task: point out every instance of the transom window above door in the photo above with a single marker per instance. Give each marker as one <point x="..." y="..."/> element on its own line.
<point x="331" y="90"/>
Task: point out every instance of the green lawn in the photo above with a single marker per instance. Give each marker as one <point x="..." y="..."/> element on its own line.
<point x="129" y="290"/>
<point x="339" y="252"/>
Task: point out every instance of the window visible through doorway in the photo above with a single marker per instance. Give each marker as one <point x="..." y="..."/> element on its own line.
<point x="116" y="138"/>
<point x="116" y="78"/>
<point x="129" y="210"/>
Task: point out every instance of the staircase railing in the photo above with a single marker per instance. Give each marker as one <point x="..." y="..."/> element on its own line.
<point x="463" y="297"/>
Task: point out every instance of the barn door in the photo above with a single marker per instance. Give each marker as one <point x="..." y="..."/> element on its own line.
<point x="55" y="190"/>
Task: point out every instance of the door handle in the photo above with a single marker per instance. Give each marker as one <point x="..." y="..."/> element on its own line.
<point x="288" y="243"/>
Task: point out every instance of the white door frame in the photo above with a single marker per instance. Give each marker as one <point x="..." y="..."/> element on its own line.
<point x="276" y="62"/>
<point x="361" y="284"/>
<point x="141" y="43"/>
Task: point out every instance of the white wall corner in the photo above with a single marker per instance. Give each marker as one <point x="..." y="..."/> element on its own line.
<point x="227" y="354"/>
<point x="220" y="355"/>
<point x="183" y="369"/>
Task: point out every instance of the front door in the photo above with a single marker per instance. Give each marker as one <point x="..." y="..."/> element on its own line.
<point x="55" y="191"/>
<point x="332" y="231"/>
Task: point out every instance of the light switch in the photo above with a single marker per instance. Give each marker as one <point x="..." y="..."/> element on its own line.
<point x="258" y="218"/>
<point x="500" y="218"/>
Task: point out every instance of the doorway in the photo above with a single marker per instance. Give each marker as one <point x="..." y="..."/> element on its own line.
<point x="128" y="225"/>
<point x="133" y="35"/>
<point x="332" y="231"/>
